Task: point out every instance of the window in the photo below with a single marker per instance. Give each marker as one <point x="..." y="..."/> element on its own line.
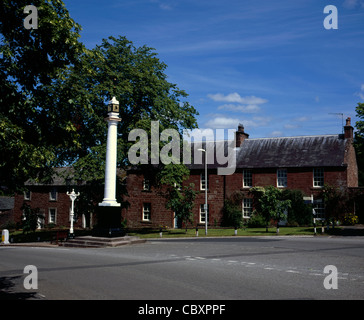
<point x="282" y="178"/>
<point x="146" y="211"/>
<point x="247" y="179"/>
<point x="27" y="195"/>
<point x="146" y="185"/>
<point x="319" y="209"/>
<point x="203" y="213"/>
<point x="203" y="182"/>
<point x="318" y="177"/>
<point x="247" y="207"/>
<point x="53" y="194"/>
<point x="52" y="215"/>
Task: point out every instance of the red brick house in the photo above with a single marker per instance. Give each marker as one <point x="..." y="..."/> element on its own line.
<point x="52" y="200"/>
<point x="305" y="163"/>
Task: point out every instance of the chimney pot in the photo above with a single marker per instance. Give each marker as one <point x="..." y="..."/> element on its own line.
<point x="240" y="135"/>
<point x="348" y="129"/>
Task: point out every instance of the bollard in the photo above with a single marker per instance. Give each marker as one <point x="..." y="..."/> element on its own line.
<point x="236" y="231"/>
<point x="5" y="236"/>
<point x="196" y="231"/>
<point x="160" y="233"/>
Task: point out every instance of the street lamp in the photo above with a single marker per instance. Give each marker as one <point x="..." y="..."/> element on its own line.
<point x="203" y="150"/>
<point x="73" y="195"/>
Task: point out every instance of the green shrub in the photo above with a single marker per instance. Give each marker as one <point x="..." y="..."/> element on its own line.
<point x="232" y="215"/>
<point x="256" y="221"/>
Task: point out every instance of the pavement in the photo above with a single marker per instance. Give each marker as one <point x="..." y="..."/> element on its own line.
<point x="346" y="231"/>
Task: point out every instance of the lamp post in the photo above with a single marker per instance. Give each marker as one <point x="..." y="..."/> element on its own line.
<point x="206" y="214"/>
<point x="73" y="195"/>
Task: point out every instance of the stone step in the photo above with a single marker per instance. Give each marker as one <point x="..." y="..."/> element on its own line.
<point x="99" y="242"/>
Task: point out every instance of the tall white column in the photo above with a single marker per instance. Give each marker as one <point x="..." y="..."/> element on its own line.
<point x="111" y="156"/>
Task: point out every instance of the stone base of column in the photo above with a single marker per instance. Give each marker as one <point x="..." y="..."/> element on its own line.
<point x="108" y="222"/>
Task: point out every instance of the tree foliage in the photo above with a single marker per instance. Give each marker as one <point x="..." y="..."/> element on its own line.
<point x="31" y="217"/>
<point x="336" y="202"/>
<point x="299" y="212"/>
<point x="136" y="77"/>
<point x="232" y="214"/>
<point x="54" y="93"/>
<point x="181" y="201"/>
<point x="272" y="206"/>
<point x="33" y="131"/>
<point x="359" y="142"/>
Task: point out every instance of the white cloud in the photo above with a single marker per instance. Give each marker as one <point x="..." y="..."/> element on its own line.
<point x="276" y="133"/>
<point x="223" y="122"/>
<point x="251" y="108"/>
<point x="350" y="4"/>
<point x="290" y="126"/>
<point x="235" y="97"/>
<point x="302" y="119"/>
<point x="361" y="92"/>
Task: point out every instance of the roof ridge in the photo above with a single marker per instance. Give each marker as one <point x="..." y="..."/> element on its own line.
<point x="291" y="137"/>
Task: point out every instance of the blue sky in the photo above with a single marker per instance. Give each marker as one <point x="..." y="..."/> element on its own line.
<point x="270" y="65"/>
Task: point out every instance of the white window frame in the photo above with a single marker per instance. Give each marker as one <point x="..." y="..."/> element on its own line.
<point x="53" y="190"/>
<point x="203" y="181"/>
<point x="247" y="178"/>
<point x="50" y="219"/>
<point x="147" y="211"/>
<point x="247" y="206"/>
<point x="146" y="185"/>
<point x="282" y="178"/>
<point x="26" y="197"/>
<point x="203" y="214"/>
<point x="318" y="177"/>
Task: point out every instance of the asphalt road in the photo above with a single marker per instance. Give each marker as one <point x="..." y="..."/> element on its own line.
<point x="237" y="268"/>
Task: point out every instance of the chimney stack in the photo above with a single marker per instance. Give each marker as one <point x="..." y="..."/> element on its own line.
<point x="240" y="135"/>
<point x="348" y="129"/>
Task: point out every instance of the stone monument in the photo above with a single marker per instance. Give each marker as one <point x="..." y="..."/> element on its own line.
<point x="109" y="210"/>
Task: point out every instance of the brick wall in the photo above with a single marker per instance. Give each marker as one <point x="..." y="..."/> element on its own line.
<point x="39" y="198"/>
<point x="220" y="188"/>
<point x="352" y="167"/>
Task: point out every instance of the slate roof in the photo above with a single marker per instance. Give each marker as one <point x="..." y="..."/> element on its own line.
<point x="282" y="152"/>
<point x="304" y="151"/>
<point x="58" y="178"/>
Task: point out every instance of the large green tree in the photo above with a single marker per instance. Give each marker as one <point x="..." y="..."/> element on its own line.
<point x="272" y="206"/>
<point x="359" y="141"/>
<point x="34" y="134"/>
<point x="54" y="94"/>
<point x="137" y="78"/>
